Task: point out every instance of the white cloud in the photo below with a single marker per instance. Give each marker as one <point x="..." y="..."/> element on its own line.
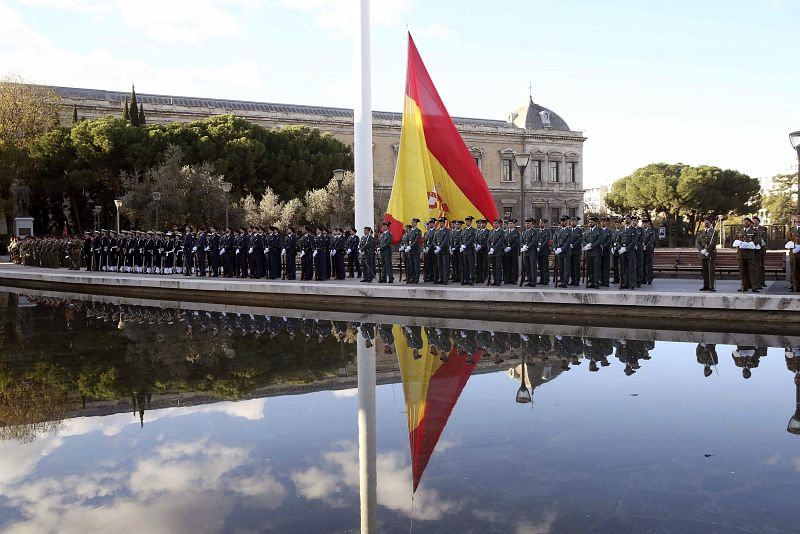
<point x="352" y="392"/>
<point x="179" y="21"/>
<point x="342" y="15"/>
<point x="19" y="460"/>
<point x="337" y="477"/>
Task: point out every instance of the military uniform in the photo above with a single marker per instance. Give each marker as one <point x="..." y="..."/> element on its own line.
<point x="468" y="237"/>
<point x="794" y="256"/>
<point x="627" y="240"/>
<point x="528" y="242"/>
<point x="441" y="251"/>
<point x="353" y="264"/>
<point x="748" y="264"/>
<point x="307" y="255"/>
<point x="707" y="240"/>
<point x="544" y="241"/>
<point x="563" y="247"/>
<point x="385" y="253"/>
<point x="290" y="246"/>
<point x="455" y="252"/>
<point x="482" y="252"/>
<point x="576" y="242"/>
<point x="414" y="240"/>
<point x="592" y="247"/>
<point x="497" y="246"/>
<point x="366" y="252"/>
<point x="648" y="249"/>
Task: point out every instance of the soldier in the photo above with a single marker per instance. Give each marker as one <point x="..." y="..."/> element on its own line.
<point x="402" y="249"/>
<point x="290" y="246"/>
<point x="627" y="240"/>
<point x="748" y="264"/>
<point x="481" y="251"/>
<point x="707" y="356"/>
<point x="97" y="247"/>
<point x="639" y="251"/>
<point x="575" y="251"/>
<point x="74" y="257"/>
<point x="467" y="251"/>
<point x="87" y="251"/>
<point x="256" y="253"/>
<point x="159" y="250"/>
<point x="239" y="263"/>
<point x="228" y="246"/>
<point x="563" y="246"/>
<point x="113" y="250"/>
<point x="338" y="252"/>
<point x="105" y="239"/>
<point x="528" y="249"/>
<point x="414" y="242"/>
<point x="707" y="240"/>
<point x="592" y="248"/>
<point x="544" y="242"/>
<point x="794" y="253"/>
<point x="202" y="249"/>
<point x="747" y="357"/>
<point x="511" y="253"/>
<point x="427" y="249"/>
<point x="366" y="252"/>
<point x="455" y="252"/>
<point x="648" y="248"/>
<point x="215" y="252"/>
<point x="441" y="251"/>
<point x="306" y="245"/>
<point x="273" y="247"/>
<point x="606" y="244"/>
<point x="760" y="239"/>
<point x="616" y="259"/>
<point x="353" y="264"/>
<point x="170" y="250"/>
<point x="497" y="246"/>
<point x="320" y="255"/>
<point x="189" y="248"/>
<point x="385" y="253"/>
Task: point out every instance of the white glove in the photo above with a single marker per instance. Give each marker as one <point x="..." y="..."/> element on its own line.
<point x="221" y="250"/>
<point x="507" y="250"/>
<point x="796" y="249"/>
<point x="789" y="244"/>
<point x="408" y="248"/>
<point x="491" y="252"/>
<point x="283" y="252"/>
<point x="349" y="251"/>
<point x="452" y="250"/>
<point x="208" y="249"/>
<point x="250" y="250"/>
<point x="333" y="253"/>
<point x="237" y="251"/>
<point x="477" y="247"/>
<point x="315" y="254"/>
<point x="302" y="253"/>
<point x="266" y="250"/>
<point x="613" y="250"/>
<point x="586" y="247"/>
<point x="706" y="253"/>
<point x="623" y="250"/>
<point x="736" y="243"/>
<point x="462" y="248"/>
<point x="194" y="249"/>
<point x="758" y="247"/>
<point x="558" y="251"/>
<point x="524" y="248"/>
<point x="437" y="250"/>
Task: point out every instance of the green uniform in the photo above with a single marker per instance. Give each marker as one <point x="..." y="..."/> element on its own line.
<point x="707" y="241"/>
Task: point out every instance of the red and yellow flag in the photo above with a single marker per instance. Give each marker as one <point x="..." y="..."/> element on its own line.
<point x="436" y="176"/>
<point x="431" y="389"/>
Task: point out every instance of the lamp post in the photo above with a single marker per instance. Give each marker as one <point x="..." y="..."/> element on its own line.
<point x="523" y="393"/>
<point x="226" y="188"/>
<point x="522" y="162"/>
<point x="338" y="175"/>
<point x="794" y="138"/>
<point x="118" y="204"/>
<point x="157" y="200"/>
<point x="96" y="212"/>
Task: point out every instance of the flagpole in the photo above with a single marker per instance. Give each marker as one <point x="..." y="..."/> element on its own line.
<point x="362" y="122"/>
<point x="367" y="469"/>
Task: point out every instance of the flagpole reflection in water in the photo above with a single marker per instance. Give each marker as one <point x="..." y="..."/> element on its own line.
<point x="367" y="471"/>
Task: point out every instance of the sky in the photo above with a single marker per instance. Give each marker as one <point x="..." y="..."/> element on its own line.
<point x="711" y="82"/>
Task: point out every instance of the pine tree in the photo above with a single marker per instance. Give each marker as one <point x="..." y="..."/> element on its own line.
<point x="134" y="112"/>
<point x="142" y="120"/>
<point x="74" y="114"/>
<point x="126" y="114"/>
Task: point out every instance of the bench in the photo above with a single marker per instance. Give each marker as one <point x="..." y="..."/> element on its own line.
<point x="675" y="261"/>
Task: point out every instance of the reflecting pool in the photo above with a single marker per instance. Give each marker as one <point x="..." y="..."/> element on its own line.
<point x="119" y="415"/>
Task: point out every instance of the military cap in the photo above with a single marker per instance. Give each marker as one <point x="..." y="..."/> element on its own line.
<point x="595" y="219"/>
<point x="408" y="226"/>
<point x="442" y="219"/>
<point x="512" y="221"/>
<point x="387" y="224"/>
<point x="604" y="218"/>
<point x="497" y="221"/>
<point x="469" y="218"/>
<point x="87" y="232"/>
<point x="276" y="228"/>
<point x="529" y="219"/>
<point x="628" y="216"/>
<point x="544" y="220"/>
<point x="564" y="218"/>
<point x="414" y="219"/>
<point x="634" y="216"/>
<point x="97" y="231"/>
<point x="708" y="218"/>
<point x="575" y="218"/>
<point x="169" y="234"/>
<point x="646" y="219"/>
<point x="433" y="219"/>
<point x="756" y="218"/>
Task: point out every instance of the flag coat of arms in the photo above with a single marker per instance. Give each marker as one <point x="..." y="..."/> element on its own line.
<point x="436" y="176"/>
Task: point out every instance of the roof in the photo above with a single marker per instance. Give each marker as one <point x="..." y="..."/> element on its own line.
<point x="230" y="106"/>
<point x="533" y="116"/>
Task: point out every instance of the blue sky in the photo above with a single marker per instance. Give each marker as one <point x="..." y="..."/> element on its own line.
<point x="709" y="82"/>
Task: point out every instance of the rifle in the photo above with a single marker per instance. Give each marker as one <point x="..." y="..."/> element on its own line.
<point x="524" y="269"/>
<point x="555" y="267"/>
<point x="489" y="267"/>
<point x="584" y="270"/>
<point x="284" y="266"/>
<point x="401" y="266"/>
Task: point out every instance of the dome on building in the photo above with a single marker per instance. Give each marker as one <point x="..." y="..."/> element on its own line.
<point x="532" y="116"/>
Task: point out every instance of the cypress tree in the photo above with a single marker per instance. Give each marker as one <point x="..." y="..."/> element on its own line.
<point x="142" y="120"/>
<point x="134" y="112"/>
<point x="126" y="114"/>
<point x="74" y="114"/>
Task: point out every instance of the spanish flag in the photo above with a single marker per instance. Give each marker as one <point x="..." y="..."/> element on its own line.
<point x="431" y="389"/>
<point x="436" y="175"/>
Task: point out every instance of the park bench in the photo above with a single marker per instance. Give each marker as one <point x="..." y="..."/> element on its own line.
<point x="676" y="261"/>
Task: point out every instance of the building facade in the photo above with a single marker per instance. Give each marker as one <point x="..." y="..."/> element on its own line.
<point x="594" y="199"/>
<point x="551" y="186"/>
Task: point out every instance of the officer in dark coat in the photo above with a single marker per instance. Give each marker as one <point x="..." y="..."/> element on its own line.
<point x="202" y="249"/>
<point x="87" y="250"/>
<point x="544" y="242"/>
<point x="385" y="253"/>
<point x="366" y="252"/>
<point x="215" y="252"/>
<point x="497" y="246"/>
<point x="230" y="247"/>
<point x="321" y="252"/>
<point x="306" y="244"/>
<point x="290" y="252"/>
<point x="353" y="263"/>
<point x="189" y="249"/>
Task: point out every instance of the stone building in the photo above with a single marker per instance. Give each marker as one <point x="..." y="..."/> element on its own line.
<point x="553" y="181"/>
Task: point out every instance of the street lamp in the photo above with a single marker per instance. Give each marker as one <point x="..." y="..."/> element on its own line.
<point x="522" y="162"/>
<point x="226" y="188"/>
<point x="338" y="175"/>
<point x="157" y="200"/>
<point x="794" y="138"/>
<point x="118" y="204"/>
<point x="794" y="423"/>
<point x="523" y="393"/>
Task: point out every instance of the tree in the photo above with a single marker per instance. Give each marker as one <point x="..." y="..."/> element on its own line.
<point x="781" y="200"/>
<point x="142" y="121"/>
<point x="74" y="114"/>
<point x="678" y="191"/>
<point x="318" y="207"/>
<point x="134" y="110"/>
<point x="291" y="214"/>
<point x="126" y="112"/>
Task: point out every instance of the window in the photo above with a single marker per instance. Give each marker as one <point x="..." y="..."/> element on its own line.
<point x="538" y="213"/>
<point x="572" y="212"/>
<point x="555" y="214"/>
<point x="553" y="171"/>
<point x="536" y="170"/>
<point x="477" y="161"/>
<point x="508" y="212"/>
<point x="571" y="168"/>
<point x="506" y="174"/>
